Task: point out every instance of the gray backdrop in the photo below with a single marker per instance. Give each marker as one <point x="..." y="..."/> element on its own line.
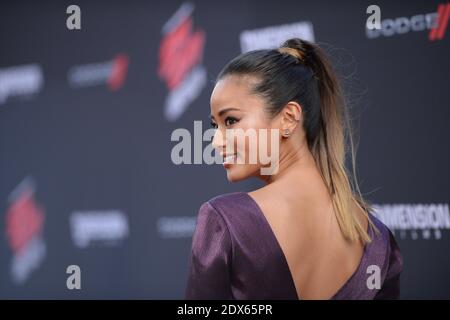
<point x="86" y="176"/>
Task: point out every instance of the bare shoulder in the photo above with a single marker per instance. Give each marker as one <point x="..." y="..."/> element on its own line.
<point x="267" y="197"/>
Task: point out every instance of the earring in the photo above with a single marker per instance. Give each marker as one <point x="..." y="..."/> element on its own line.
<point x="286" y="133"/>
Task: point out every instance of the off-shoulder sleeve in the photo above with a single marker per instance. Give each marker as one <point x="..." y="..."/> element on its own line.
<point x="391" y="284"/>
<point x="209" y="262"/>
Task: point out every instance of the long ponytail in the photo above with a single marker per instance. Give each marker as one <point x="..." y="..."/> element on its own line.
<point x="329" y="145"/>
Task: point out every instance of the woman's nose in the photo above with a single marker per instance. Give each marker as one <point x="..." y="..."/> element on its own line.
<point x="218" y="141"/>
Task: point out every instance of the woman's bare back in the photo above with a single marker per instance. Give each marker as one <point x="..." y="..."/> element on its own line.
<point x="319" y="258"/>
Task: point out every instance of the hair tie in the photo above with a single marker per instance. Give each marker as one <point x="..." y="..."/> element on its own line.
<point x="299" y="54"/>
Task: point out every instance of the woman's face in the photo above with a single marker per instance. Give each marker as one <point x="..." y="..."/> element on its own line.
<point x="233" y="106"/>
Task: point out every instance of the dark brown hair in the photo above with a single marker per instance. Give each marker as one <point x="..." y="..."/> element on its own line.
<point x="300" y="71"/>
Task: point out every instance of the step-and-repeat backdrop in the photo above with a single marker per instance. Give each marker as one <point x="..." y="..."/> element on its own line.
<point x="92" y="203"/>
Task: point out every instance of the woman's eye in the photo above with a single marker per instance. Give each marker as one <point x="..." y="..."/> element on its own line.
<point x="230" y="120"/>
<point x="213" y="125"/>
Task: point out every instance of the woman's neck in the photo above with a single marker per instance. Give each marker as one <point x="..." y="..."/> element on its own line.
<point x="291" y="163"/>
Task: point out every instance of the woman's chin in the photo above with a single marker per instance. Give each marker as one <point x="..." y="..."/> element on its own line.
<point x="238" y="172"/>
<point x="234" y="174"/>
<point x="232" y="177"/>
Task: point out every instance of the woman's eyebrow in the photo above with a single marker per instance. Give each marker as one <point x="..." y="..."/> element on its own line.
<point x="225" y="110"/>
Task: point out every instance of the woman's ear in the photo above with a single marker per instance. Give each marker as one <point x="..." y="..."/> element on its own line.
<point x="290" y="118"/>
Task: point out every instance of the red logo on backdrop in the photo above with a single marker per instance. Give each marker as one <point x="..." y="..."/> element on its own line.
<point x="24" y="220"/>
<point x="180" y="50"/>
<point x="438" y="32"/>
<point x="180" y="58"/>
<point x="24" y="226"/>
<point x="118" y="72"/>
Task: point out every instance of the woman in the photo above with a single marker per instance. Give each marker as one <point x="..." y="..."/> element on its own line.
<point x="307" y="234"/>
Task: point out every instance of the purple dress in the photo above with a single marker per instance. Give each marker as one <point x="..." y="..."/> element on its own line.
<point x="235" y="255"/>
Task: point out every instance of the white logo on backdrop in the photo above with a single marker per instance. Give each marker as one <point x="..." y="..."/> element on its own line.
<point x="176" y="227"/>
<point x="418" y="220"/>
<point x="20" y="81"/>
<point x="274" y="36"/>
<point x="107" y="227"/>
